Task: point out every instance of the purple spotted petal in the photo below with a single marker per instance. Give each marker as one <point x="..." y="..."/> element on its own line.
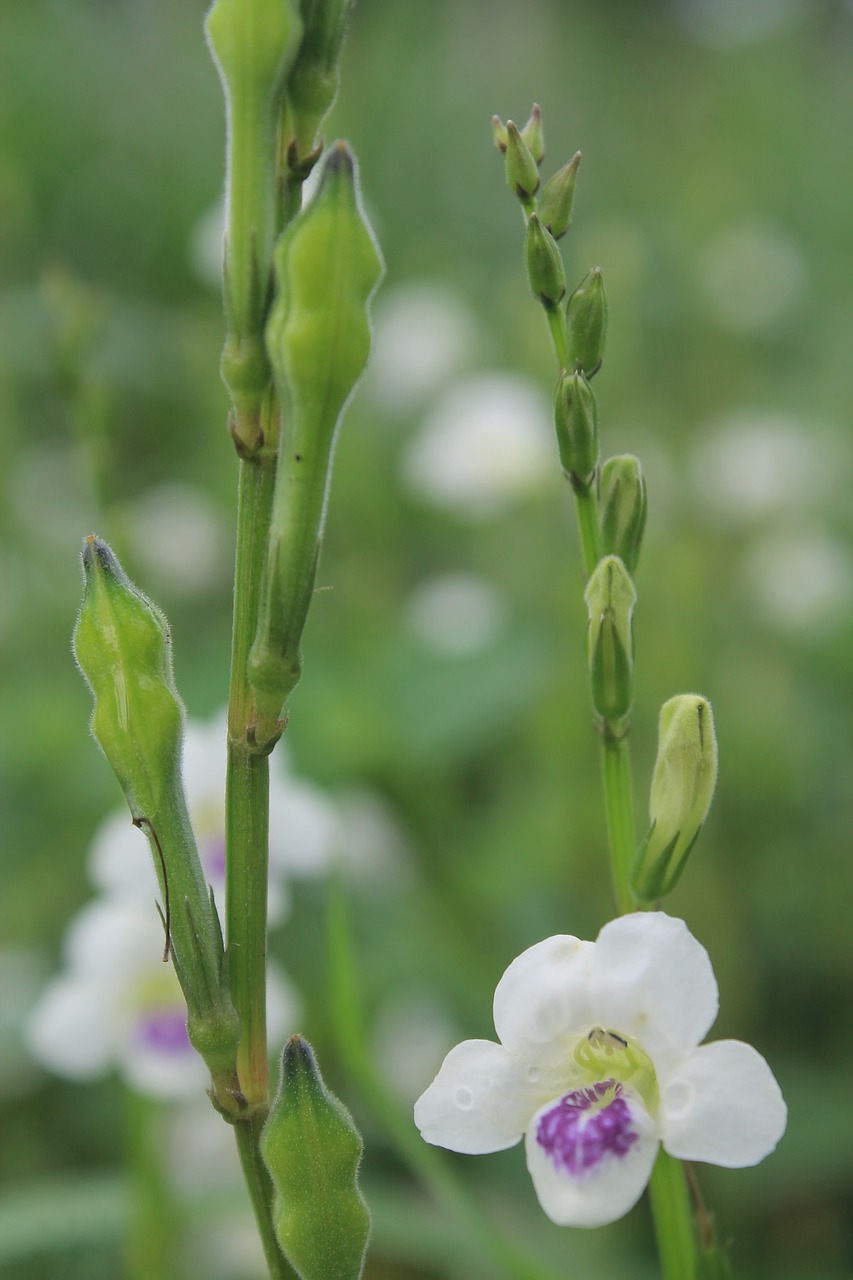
<point x="585" y="1128"/>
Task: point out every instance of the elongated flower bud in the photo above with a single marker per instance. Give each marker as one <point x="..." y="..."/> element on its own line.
<point x="544" y="264"/>
<point x="683" y="782"/>
<point x="122" y="645"/>
<point x="312" y="84"/>
<point x="499" y="134"/>
<point x="558" y="197"/>
<point x="586" y="319"/>
<point x="576" y="421"/>
<point x="522" y="172"/>
<point x="610" y="598"/>
<point x="253" y="43"/>
<point x="327" y="266"/>
<point x="624" y="506"/>
<point x="533" y="134"/>
<point x="312" y="1150"/>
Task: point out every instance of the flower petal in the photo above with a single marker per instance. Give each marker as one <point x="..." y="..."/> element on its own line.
<point x="722" y="1104"/>
<point x="71" y="1030"/>
<point x="478" y="1102"/>
<point x="544" y="996"/>
<point x="589" y="1167"/>
<point x="652" y="980"/>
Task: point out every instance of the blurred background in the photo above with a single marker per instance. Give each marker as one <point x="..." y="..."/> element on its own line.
<point x="444" y="700"/>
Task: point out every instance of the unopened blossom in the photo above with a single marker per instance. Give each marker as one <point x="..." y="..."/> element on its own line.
<point x="599" y="1063"/>
<point x="116" y="1006"/>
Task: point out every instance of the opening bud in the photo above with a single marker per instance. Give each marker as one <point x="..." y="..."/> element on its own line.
<point x="586" y="318"/>
<point x="624" y="506"/>
<point x="522" y="171"/>
<point x="558" y="197"/>
<point x="544" y="264"/>
<point x="312" y="84"/>
<point x="312" y="1150"/>
<point x="533" y="135"/>
<point x="576" y="421"/>
<point x="610" y="598"/>
<point x="683" y="782"/>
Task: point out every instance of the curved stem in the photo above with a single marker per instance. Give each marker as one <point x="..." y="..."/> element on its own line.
<point x="673" y="1223"/>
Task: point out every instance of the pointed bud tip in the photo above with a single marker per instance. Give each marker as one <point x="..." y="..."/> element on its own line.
<point x="97" y="554"/>
<point x="340" y="158"/>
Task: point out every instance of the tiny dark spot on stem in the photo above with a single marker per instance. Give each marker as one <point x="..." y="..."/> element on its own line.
<point x="297" y="457"/>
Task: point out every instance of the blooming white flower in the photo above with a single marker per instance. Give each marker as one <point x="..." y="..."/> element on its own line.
<point x="117" y="1005"/>
<point x="599" y="1062"/>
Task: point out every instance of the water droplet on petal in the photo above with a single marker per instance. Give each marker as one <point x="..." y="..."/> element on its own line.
<point x="533" y="1074"/>
<point x="677" y="1098"/>
<point x="464" y="1099"/>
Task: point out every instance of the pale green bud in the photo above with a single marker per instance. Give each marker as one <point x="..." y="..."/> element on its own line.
<point x="610" y="598"/>
<point x="522" y="172"/>
<point x="312" y="1150"/>
<point x="586" y="320"/>
<point x="623" y="507"/>
<point x="312" y="85"/>
<point x="557" y="199"/>
<point x="544" y="265"/>
<point x="499" y="134"/>
<point x="327" y="266"/>
<point x="683" y="782"/>
<point x="533" y="134"/>
<point x="576" y="421"/>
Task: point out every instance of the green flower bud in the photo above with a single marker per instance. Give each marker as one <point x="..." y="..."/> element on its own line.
<point x="624" y="506"/>
<point x="586" y="317"/>
<point x="522" y="172"/>
<point x="683" y="782"/>
<point x="544" y="264"/>
<point x="557" y="198"/>
<point x="252" y="43"/>
<point x="327" y="267"/>
<point x="312" y="1150"/>
<point x="576" y="420"/>
<point x="499" y="134"/>
<point x="610" y="598"/>
<point x="122" y="646"/>
<point x="312" y="85"/>
<point x="121" y="642"/>
<point x="533" y="135"/>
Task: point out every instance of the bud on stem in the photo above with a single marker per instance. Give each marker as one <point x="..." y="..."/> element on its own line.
<point x="312" y="84"/>
<point x="586" y="320"/>
<point x="624" y="507"/>
<point x="327" y="267"/>
<point x="576" y="421"/>
<point x="683" y="782"/>
<point x="544" y="264"/>
<point x="312" y="1150"/>
<point x="557" y="199"/>
<point x="522" y="172"/>
<point x="610" y="598"/>
<point x="122" y="645"/>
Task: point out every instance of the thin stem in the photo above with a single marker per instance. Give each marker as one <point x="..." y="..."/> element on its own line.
<point x="673" y="1224"/>
<point x="586" y="506"/>
<point x="619" y="811"/>
<point x="559" y="336"/>
<point x="247" y="793"/>
<point x="247" y="1133"/>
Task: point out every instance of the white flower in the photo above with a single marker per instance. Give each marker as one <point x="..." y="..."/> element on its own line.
<point x="455" y="614"/>
<point x="117" y="1005"/>
<point x="599" y="1062"/>
<point x="424" y="334"/>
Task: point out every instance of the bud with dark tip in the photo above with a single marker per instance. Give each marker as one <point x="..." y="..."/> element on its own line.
<point x="557" y="198"/>
<point x="586" y="320"/>
<point x="623" y="507"/>
<point x="576" y="421"/>
<point x="544" y="264"/>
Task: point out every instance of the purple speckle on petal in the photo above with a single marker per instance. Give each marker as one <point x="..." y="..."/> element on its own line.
<point x="164" y="1031"/>
<point x="578" y="1132"/>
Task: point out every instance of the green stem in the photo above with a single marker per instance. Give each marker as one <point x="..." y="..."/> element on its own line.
<point x="619" y="811"/>
<point x="247" y="1133"/>
<point x="673" y="1223"/>
<point x="586" y="506"/>
<point x="559" y="335"/>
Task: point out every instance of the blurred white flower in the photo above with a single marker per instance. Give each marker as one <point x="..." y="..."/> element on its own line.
<point x="800" y="581"/>
<point x="750" y="465"/>
<point x="179" y="538"/>
<point x="486" y="441"/>
<point x="116" y="1005"/>
<point x="753" y="273"/>
<point x="730" y="24"/>
<point x="410" y="1034"/>
<point x="455" y="613"/>
<point x="423" y="335"/>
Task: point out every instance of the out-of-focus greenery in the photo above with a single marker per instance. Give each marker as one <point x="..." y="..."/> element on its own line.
<point x="716" y="192"/>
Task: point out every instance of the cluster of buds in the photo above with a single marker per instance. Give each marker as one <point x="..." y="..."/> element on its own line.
<point x="612" y="505"/>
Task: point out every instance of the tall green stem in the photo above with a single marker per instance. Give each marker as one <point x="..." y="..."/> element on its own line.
<point x="619" y="811"/>
<point x="673" y="1222"/>
<point x="248" y="1133"/>
<point x="586" y="506"/>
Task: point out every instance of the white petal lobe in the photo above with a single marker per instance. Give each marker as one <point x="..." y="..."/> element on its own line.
<point x="544" y="996"/>
<point x="478" y="1102"/>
